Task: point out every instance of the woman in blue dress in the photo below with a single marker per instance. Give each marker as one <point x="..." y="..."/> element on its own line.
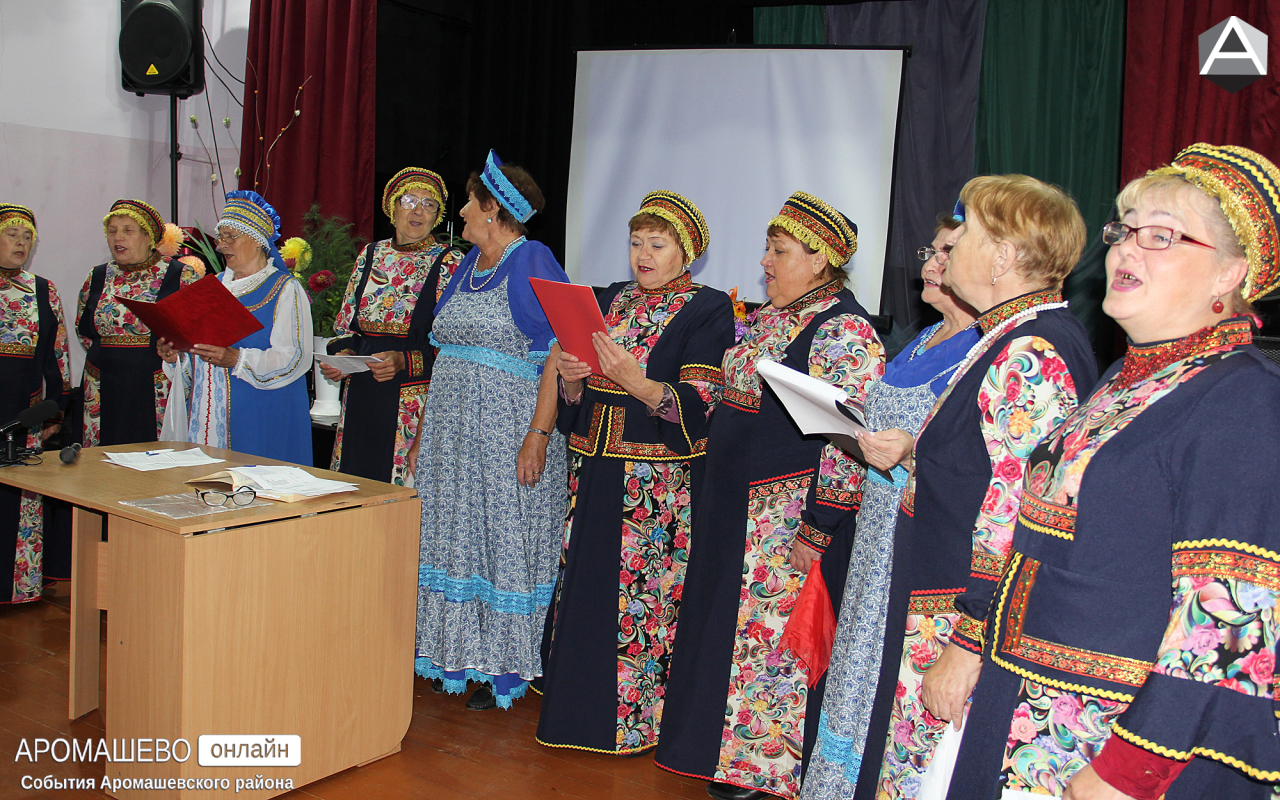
<point x="491" y="467"/>
<point x="250" y="397"/>
<point x="895" y="408"/>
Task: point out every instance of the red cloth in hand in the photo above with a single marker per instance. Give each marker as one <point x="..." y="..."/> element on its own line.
<point x="1137" y="772"/>
<point x="811" y="628"/>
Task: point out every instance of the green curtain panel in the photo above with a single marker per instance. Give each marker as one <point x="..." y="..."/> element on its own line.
<point x="789" y="25"/>
<point x="1049" y="105"/>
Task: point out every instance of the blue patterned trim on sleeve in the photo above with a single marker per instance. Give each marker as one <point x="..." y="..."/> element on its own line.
<point x="464" y="590"/>
<point x="490" y="358"/>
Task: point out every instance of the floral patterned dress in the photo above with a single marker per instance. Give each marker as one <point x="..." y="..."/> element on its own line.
<point x="381" y="311"/>
<point x="36" y="367"/>
<point x="1138" y="610"/>
<point x="121" y="368"/>
<point x="958" y="511"/>
<point x="738" y="710"/>
<point x="627" y="536"/>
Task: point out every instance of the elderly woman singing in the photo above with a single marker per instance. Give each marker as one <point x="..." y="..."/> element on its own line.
<point x="739" y="711"/>
<point x="1131" y="648"/>
<point x="1020" y="239"/>
<point x="125" y="389"/>
<point x="35" y="366"/>
<point x="387" y="313"/>
<point x="638" y="440"/>
<point x="248" y="397"/>
<point x="895" y="408"/>
<point x="491" y="465"/>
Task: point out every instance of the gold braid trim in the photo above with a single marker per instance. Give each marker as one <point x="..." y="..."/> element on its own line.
<point x="1199" y="544"/>
<point x="808" y="237"/>
<point x="1207" y="752"/>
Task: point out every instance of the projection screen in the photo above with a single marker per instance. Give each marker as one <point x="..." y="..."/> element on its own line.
<point x="736" y="131"/>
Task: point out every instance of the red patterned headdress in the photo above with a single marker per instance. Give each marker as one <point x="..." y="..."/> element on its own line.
<point x="820" y="226"/>
<point x="1248" y="187"/>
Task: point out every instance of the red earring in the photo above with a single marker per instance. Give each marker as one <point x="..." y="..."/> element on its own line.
<point x="1217" y="306"/>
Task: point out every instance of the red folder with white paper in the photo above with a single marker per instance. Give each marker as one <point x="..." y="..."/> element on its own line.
<point x="574" y="314"/>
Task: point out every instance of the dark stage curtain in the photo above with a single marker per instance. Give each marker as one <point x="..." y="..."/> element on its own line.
<point x="936" y="133"/>
<point x="1168" y="105"/>
<point x="790" y="25"/>
<point x="326" y="154"/>
<point x="1052" y="76"/>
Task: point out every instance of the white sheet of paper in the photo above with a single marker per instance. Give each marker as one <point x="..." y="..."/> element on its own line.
<point x="165" y="458"/>
<point x="348" y="364"/>
<point x="812" y="404"/>
<point x="290" y="480"/>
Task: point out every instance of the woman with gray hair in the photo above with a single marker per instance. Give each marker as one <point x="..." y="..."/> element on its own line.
<point x="248" y="397"/>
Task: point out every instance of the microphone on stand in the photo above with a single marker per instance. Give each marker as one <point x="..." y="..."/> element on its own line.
<point x="70" y="453"/>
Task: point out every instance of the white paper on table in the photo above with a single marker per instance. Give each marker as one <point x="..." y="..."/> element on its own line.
<point x="164" y="458"/>
<point x="289" y="480"/>
<point x="816" y="406"/>
<point x="348" y="364"/>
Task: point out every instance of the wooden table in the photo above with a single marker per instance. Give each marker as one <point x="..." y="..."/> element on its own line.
<point x="288" y="619"/>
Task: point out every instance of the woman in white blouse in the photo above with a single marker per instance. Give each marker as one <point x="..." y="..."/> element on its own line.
<point x="248" y="397"/>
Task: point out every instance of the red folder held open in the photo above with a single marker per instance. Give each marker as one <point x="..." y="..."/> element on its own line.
<point x="204" y="312"/>
<point x="574" y="315"/>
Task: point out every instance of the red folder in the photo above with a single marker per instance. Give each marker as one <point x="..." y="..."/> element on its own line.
<point x="204" y="312"/>
<point x="574" y="315"/>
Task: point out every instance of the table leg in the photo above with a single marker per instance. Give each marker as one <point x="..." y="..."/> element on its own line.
<point x="86" y="626"/>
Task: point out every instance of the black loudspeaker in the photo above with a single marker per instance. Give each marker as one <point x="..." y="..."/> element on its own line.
<point x="162" y="47"/>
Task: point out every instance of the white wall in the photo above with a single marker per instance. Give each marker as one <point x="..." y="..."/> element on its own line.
<point x="72" y="140"/>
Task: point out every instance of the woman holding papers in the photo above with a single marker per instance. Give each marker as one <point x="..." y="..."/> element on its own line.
<point x="737" y="706"/>
<point x="35" y="365"/>
<point x="386" y="313"/>
<point x="1019" y="240"/>
<point x="125" y="388"/>
<point x="637" y="441"/>
<point x="250" y="397"/>
<point x="491" y="466"/>
<point x="895" y="407"/>
<point x="1132" y="648"/>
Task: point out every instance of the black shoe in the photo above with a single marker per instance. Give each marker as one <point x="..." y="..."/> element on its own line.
<point x="727" y="791"/>
<point x="482" y="699"/>
<point x="437" y="685"/>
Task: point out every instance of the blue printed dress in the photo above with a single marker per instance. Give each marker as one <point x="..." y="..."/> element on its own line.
<point x="490" y="547"/>
<point x="911" y="385"/>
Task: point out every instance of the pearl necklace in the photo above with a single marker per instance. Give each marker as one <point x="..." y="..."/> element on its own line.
<point x="980" y="347"/>
<point x="489" y="273"/>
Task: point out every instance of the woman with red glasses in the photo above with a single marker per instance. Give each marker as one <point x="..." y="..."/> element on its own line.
<point x="1130" y="649"/>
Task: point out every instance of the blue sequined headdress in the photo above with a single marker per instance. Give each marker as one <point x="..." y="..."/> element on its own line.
<point x="504" y="191"/>
<point x="958" y="212"/>
<point x="250" y="213"/>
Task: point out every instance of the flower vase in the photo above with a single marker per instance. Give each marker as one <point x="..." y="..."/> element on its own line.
<point x="328" y="401"/>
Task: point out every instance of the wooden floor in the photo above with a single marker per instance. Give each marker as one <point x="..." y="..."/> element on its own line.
<point x="449" y="752"/>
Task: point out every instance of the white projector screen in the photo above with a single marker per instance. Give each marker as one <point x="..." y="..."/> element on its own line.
<point x="736" y="131"/>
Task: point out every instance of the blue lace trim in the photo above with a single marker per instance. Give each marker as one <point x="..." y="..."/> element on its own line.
<point x="897" y="476"/>
<point x="506" y="688"/>
<point x="837" y="749"/>
<point x="464" y="590"/>
<point x="489" y="358"/>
